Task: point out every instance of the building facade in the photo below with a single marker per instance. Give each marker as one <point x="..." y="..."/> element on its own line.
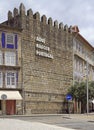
<point x="83" y="53"/>
<point x="51" y="60"/>
<point x="83" y="62"/>
<point x="9" y="70"/>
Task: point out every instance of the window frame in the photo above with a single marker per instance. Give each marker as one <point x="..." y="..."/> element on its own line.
<point x="1" y="58"/>
<point x="10" y="58"/>
<point x="1" y="79"/>
<point x="9" y="79"/>
<point x="11" y="35"/>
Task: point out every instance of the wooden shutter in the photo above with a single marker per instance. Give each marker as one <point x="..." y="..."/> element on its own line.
<point x="3" y="40"/>
<point x="16" y="44"/>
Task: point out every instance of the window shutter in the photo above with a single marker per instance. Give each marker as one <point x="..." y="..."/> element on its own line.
<point x="16" y="57"/>
<point x="16" y="39"/>
<point x="3" y="40"/>
<point x="16" y="77"/>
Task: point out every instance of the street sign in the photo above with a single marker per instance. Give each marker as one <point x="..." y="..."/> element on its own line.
<point x="68" y="97"/>
<point x="3" y="96"/>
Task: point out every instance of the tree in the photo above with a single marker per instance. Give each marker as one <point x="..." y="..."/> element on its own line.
<point x="79" y="93"/>
<point x="91" y="90"/>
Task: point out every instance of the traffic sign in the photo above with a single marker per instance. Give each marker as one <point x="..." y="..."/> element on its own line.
<point x="68" y="97"/>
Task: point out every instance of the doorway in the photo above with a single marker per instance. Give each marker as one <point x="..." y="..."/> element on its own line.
<point x="10" y="107"/>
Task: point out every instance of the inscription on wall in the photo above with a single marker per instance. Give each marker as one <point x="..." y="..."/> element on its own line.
<point x="39" y="39"/>
<point x="42" y="49"/>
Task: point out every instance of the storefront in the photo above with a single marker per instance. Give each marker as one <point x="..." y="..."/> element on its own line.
<point x="8" y="102"/>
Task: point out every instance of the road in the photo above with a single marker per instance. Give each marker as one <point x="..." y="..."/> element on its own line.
<point x="79" y="122"/>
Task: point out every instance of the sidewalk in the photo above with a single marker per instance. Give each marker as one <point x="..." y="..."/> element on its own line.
<point x="9" y="122"/>
<point x="13" y="124"/>
<point x="89" y="116"/>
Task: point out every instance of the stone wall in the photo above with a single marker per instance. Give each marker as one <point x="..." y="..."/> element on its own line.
<point x="47" y="64"/>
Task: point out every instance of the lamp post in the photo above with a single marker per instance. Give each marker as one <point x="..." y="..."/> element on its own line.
<point x="87" y="93"/>
<point x="87" y="87"/>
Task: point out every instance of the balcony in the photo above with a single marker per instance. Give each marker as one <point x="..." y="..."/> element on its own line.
<point x="16" y="67"/>
<point x="18" y="86"/>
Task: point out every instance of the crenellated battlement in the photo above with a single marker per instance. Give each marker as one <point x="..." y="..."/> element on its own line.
<point x="36" y="16"/>
<point x="15" y="12"/>
<point x="61" y="26"/>
<point x="30" y="13"/>
<point x="56" y="24"/>
<point x="9" y="15"/>
<point x="23" y="15"/>
<point x="50" y="21"/>
<point x="22" y="9"/>
<point x="44" y="19"/>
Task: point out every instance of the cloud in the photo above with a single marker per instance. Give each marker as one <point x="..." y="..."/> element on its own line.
<point x="88" y="34"/>
<point x="72" y="12"/>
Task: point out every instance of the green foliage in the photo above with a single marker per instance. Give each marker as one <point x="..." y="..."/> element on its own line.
<point x="91" y="90"/>
<point x="79" y="91"/>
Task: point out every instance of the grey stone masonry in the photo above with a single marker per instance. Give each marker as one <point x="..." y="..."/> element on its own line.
<point x="47" y="63"/>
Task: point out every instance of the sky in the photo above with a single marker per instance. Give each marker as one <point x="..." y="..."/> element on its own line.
<point x="70" y="12"/>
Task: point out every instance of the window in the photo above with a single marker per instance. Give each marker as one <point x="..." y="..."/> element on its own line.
<point x="0" y="105"/>
<point x="1" y="58"/>
<point x="10" y="58"/>
<point x="1" y="79"/>
<point x="11" y="80"/>
<point x="9" y="39"/>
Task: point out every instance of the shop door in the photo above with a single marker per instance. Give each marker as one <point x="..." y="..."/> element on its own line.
<point x="10" y="107"/>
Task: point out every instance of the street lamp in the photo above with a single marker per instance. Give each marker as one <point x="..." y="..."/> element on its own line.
<point x="87" y="86"/>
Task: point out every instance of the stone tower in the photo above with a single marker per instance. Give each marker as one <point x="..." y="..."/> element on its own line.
<point x="47" y="66"/>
